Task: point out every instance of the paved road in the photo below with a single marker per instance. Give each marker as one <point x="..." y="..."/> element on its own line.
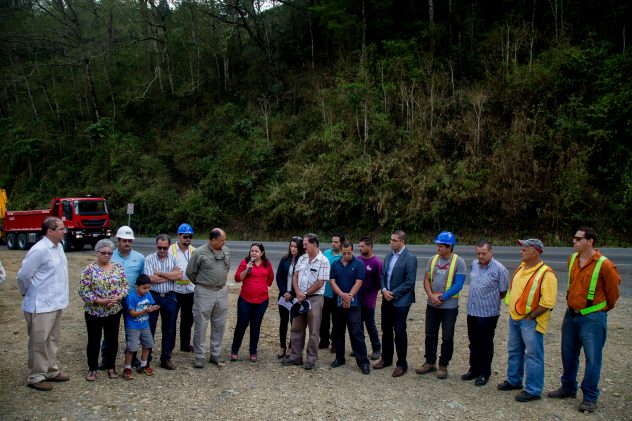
<point x="556" y="257"/>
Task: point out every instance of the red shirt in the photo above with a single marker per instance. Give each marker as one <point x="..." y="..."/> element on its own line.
<point x="255" y="285"/>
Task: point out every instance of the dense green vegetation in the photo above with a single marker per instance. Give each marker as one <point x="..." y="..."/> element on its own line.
<point x="495" y="118"/>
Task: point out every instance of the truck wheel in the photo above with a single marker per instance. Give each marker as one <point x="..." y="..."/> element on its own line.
<point x="67" y="244"/>
<point x="22" y="242"/>
<point x="79" y="245"/>
<point x="12" y="241"/>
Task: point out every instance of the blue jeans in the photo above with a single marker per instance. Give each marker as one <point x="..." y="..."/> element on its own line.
<point x="168" y="311"/>
<point x="526" y="356"/>
<point x="368" y="319"/>
<point x="248" y="314"/>
<point x="588" y="332"/>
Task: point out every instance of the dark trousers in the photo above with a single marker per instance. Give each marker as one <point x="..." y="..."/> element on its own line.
<point x="284" y="320"/>
<point x="325" y="324"/>
<point x="446" y="319"/>
<point x="109" y="326"/>
<point x="368" y="319"/>
<point x="480" y="332"/>
<point x="394" y="320"/>
<point x="167" y="313"/>
<point x="248" y="314"/>
<point x="349" y="318"/>
<point x="185" y="308"/>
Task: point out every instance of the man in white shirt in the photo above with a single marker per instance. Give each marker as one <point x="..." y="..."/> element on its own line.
<point x="43" y="282"/>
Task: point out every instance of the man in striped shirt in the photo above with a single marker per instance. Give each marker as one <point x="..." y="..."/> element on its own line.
<point x="489" y="281"/>
<point x="163" y="270"/>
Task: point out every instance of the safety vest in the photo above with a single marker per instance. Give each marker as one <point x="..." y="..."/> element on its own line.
<point x="451" y="271"/>
<point x="530" y="296"/>
<point x="590" y="308"/>
<point x="174" y="252"/>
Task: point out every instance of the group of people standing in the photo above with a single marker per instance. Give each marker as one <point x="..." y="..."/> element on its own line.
<point x="318" y="290"/>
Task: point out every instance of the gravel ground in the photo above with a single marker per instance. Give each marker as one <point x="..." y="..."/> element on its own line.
<point x="267" y="390"/>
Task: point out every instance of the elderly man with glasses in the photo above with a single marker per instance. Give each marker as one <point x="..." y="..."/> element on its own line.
<point x="163" y="271"/>
<point x="208" y="270"/>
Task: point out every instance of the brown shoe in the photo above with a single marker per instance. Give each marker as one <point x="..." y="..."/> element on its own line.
<point x="43" y="386"/>
<point x="399" y="372"/>
<point x="167" y="365"/>
<point x="426" y="368"/>
<point x="380" y="364"/>
<point x="60" y="377"/>
<point x="442" y="373"/>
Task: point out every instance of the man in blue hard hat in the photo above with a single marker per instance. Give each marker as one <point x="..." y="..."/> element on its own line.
<point x="445" y="275"/>
<point x="183" y="288"/>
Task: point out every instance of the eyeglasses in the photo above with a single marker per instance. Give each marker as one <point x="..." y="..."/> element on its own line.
<point x="578" y="238"/>
<point x="187" y="237"/>
<point x="105" y="253"/>
<point x="221" y="255"/>
<point x="125" y="240"/>
<point x="162" y="248"/>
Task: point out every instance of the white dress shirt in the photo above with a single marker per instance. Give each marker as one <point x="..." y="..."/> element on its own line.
<point x="43" y="278"/>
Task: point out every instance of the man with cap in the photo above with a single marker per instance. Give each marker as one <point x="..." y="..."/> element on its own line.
<point x="489" y="281"/>
<point x="593" y="290"/>
<point x="133" y="265"/>
<point x="531" y="298"/>
<point x="311" y="273"/>
<point x="444" y="278"/>
<point x="398" y="294"/>
<point x="208" y="270"/>
<point x="183" y="288"/>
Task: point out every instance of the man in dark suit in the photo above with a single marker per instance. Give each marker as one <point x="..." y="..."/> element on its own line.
<point x="398" y="291"/>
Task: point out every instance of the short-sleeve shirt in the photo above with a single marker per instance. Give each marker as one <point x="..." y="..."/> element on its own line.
<point x="183" y="286"/>
<point x="346" y="275"/>
<point x="154" y="264"/>
<point x="137" y="303"/>
<point x="133" y="264"/>
<point x="548" y="294"/>
<point x="311" y="272"/>
<point x="371" y="285"/>
<point x="440" y="277"/>
<point x="486" y="284"/>
<point x="333" y="258"/>
<point x="97" y="283"/>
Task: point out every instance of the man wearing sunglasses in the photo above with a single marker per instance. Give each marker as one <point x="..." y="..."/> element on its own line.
<point x="208" y="270"/>
<point x="163" y="271"/>
<point x="182" y="251"/>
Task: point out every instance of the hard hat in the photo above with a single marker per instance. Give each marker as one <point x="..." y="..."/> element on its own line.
<point x="445" y="237"/>
<point x="185" y="229"/>
<point x="125" y="233"/>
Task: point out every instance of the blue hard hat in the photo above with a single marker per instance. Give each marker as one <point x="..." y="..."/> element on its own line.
<point x="445" y="237"/>
<point x="185" y="229"/>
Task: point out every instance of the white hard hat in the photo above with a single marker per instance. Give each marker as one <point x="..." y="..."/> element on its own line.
<point x="125" y="233"/>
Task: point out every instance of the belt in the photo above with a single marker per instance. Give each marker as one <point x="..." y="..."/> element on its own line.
<point x="574" y="312"/>
<point x="212" y="288"/>
<point x="163" y="294"/>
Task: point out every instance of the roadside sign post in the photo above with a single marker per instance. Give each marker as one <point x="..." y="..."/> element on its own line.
<point x="130" y="212"/>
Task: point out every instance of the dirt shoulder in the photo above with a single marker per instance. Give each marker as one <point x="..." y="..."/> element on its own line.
<point x="266" y="390"/>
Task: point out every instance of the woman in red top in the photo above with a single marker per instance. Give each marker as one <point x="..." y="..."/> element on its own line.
<point x="255" y="271"/>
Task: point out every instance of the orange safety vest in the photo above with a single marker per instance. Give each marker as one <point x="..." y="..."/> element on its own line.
<point x="530" y="296"/>
<point x="451" y="271"/>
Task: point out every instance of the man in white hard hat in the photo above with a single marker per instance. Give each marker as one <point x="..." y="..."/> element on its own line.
<point x="133" y="264"/>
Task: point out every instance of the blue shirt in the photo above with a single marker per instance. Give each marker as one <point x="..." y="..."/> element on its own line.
<point x="486" y="284"/>
<point x="137" y="303"/>
<point x="133" y="265"/>
<point x="346" y="275"/>
<point x="329" y="254"/>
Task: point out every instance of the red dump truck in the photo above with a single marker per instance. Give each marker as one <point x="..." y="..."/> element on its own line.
<point x="87" y="220"/>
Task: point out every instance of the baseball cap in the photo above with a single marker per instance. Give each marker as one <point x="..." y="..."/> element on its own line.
<point x="533" y="242"/>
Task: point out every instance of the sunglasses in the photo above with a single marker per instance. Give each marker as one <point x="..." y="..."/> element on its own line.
<point x="187" y="237"/>
<point x="162" y="248"/>
<point x="105" y="253"/>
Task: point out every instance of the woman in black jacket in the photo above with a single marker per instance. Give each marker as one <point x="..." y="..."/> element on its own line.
<point x="284" y="275"/>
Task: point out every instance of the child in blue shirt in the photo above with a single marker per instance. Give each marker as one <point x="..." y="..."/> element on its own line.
<point x="139" y="304"/>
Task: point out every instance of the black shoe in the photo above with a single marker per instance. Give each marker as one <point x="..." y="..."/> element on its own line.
<point x="481" y="381"/>
<point x="365" y="369"/>
<point x="527" y="397"/>
<point x="561" y="394"/>
<point x="336" y="363"/>
<point x="587" y="406"/>
<point x="508" y="386"/>
<point x="186" y="349"/>
<point x="469" y="375"/>
<point x="289" y="361"/>
<point x="309" y="365"/>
